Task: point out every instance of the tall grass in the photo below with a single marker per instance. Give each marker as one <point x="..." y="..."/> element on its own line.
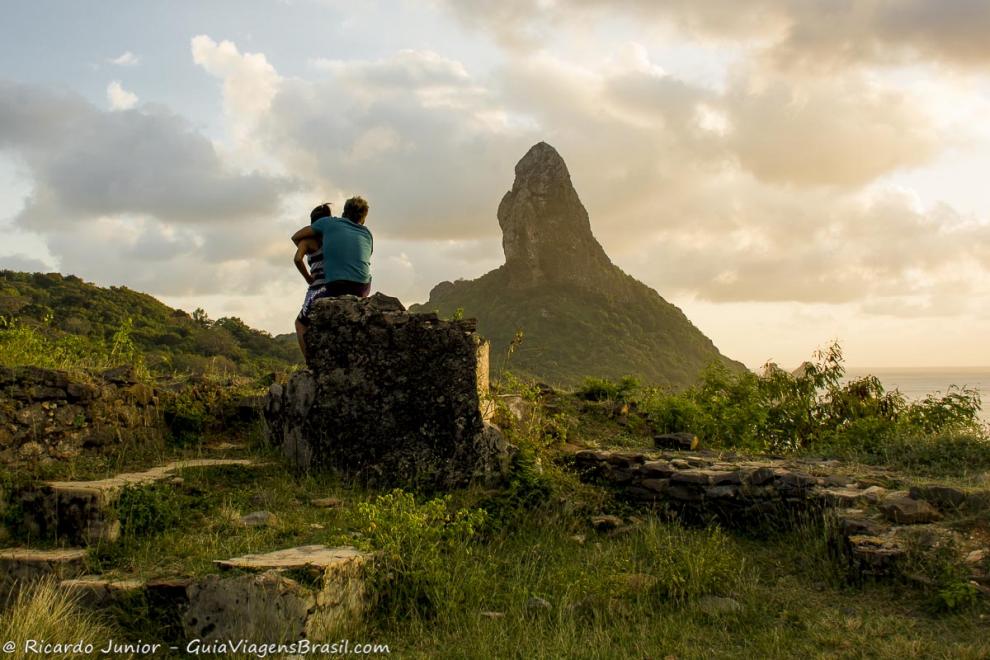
<point x="23" y="344"/>
<point x="43" y="611"/>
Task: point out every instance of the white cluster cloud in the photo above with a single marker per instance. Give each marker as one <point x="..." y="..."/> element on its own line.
<point x="127" y="58"/>
<point x="120" y="98"/>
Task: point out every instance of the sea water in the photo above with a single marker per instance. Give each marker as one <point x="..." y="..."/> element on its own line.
<point x="916" y="383"/>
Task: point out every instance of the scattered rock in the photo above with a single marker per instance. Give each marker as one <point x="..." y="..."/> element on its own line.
<point x="944" y="497"/>
<point x="606" y="523"/>
<point x="678" y="441"/>
<point x="537" y="604"/>
<point x="901" y="508"/>
<point x="874" y="494"/>
<point x="977" y="557"/>
<point x="259" y="519"/>
<point x="326" y="502"/>
<point x="718" y="605"/>
<point x="843" y="496"/>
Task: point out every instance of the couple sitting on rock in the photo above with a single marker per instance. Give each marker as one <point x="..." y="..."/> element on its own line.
<point x="338" y="252"/>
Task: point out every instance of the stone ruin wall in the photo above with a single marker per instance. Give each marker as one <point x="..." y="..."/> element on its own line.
<point x="48" y="415"/>
<point x="871" y="526"/>
<point x="390" y="398"/>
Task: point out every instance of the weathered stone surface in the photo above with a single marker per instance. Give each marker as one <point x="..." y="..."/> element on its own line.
<point x="718" y="605"/>
<point x="686" y="441"/>
<point x="319" y="556"/>
<point x="48" y="415"/>
<point x="875" y="555"/>
<point x="656" y="469"/>
<point x="95" y="592"/>
<point x="546" y="232"/>
<point x="22" y="566"/>
<point x="269" y="605"/>
<point x="259" y="519"/>
<point x="606" y="523"/>
<point x="944" y="497"/>
<point x="901" y="508"/>
<point x="391" y="398"/>
<point x="874" y="494"/>
<point x="843" y="496"/>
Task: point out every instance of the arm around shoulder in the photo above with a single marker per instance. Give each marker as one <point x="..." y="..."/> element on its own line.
<point x="303" y="234"/>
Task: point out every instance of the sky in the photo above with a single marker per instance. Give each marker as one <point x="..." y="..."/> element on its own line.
<point x="796" y="173"/>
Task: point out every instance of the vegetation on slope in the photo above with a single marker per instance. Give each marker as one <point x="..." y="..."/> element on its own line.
<point x="569" y="332"/>
<point x="50" y="320"/>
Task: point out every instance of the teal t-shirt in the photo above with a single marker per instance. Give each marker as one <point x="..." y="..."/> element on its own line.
<point x="347" y="248"/>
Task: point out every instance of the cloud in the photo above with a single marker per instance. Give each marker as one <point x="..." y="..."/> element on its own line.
<point x="88" y="163"/>
<point x="880" y="251"/>
<point x="143" y="190"/>
<point x="841" y="131"/>
<point x="413" y="132"/>
<point x="24" y="263"/>
<point x="812" y="34"/>
<point x="120" y="98"/>
<point x="127" y="58"/>
<point x="249" y="81"/>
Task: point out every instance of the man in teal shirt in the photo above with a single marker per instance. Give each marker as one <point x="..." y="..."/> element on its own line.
<point x="347" y="248"/>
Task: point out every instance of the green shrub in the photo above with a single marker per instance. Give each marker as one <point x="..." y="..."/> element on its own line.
<point x="147" y="510"/>
<point x="413" y="543"/>
<point x="603" y="389"/>
<point x="813" y="409"/>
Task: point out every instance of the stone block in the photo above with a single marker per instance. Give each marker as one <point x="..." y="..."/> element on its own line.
<point x="390" y="398"/>
<point x="325" y="592"/>
<point x="22" y="566"/>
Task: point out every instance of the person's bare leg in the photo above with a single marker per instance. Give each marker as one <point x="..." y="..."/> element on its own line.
<point x="300" y="335"/>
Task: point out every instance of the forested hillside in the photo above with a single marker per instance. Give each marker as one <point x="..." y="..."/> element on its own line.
<point x="75" y="315"/>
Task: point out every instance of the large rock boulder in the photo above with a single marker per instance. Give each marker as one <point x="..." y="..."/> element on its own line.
<point x="390" y="398"/>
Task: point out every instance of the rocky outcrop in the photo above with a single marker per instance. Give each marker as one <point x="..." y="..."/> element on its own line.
<point x="580" y="315"/>
<point x="390" y="398"/>
<point x="546" y="232"/>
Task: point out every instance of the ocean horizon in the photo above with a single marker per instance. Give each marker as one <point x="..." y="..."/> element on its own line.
<point x="915" y="383"/>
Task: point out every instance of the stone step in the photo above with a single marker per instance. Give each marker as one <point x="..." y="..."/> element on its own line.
<point x="264" y="593"/>
<point x="96" y="591"/>
<point x="80" y="512"/>
<point x="22" y="566"/>
<point x="282" y="596"/>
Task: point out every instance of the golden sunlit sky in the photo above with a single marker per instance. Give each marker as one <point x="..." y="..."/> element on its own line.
<point x="788" y="173"/>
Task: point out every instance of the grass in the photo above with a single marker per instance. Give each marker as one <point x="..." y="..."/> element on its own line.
<point x="520" y="572"/>
<point x="635" y="594"/>
<point x="44" y="613"/>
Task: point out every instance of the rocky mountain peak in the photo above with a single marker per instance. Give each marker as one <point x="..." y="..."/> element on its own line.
<point x="546" y="233"/>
